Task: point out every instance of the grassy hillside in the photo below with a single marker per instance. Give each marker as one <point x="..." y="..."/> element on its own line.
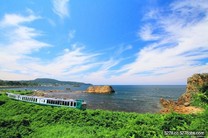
<point x="20" y="119"/>
<point x="39" y="82"/>
<point x="46" y="81"/>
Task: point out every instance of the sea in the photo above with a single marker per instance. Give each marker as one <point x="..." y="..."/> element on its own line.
<point x="127" y="98"/>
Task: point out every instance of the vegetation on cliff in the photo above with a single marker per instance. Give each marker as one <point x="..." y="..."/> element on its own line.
<point x="20" y="119"/>
<point x="193" y="100"/>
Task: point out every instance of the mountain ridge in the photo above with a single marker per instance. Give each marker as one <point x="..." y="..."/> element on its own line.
<point x="39" y="81"/>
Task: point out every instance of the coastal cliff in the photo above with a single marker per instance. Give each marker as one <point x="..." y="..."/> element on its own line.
<point x="100" y="89"/>
<point x="194" y="84"/>
<point x="182" y="105"/>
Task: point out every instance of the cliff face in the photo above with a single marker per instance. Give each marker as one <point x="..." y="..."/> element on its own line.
<point x="194" y="84"/>
<point x="182" y="105"/>
<point x="100" y="89"/>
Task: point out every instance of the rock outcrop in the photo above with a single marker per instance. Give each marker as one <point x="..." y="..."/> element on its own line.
<point x="182" y="105"/>
<point x="100" y="89"/>
<point x="194" y="84"/>
<point x="39" y="93"/>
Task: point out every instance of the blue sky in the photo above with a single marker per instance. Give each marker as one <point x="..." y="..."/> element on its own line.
<point x="104" y="41"/>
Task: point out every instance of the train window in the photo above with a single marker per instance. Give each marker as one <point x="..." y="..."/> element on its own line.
<point x="71" y="104"/>
<point x="75" y="103"/>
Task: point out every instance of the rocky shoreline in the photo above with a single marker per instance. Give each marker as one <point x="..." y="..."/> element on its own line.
<point x="183" y="104"/>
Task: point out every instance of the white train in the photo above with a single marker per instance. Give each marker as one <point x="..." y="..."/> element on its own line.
<point x="80" y="104"/>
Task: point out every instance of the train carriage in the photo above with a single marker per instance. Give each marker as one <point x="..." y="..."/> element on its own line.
<point x="79" y="104"/>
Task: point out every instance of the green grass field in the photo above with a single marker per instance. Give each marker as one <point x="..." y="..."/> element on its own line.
<point x="20" y="119"/>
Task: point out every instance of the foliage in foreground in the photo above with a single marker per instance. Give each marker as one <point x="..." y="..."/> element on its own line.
<point x="19" y="119"/>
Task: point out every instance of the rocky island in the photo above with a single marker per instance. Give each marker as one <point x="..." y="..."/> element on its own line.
<point x="106" y="89"/>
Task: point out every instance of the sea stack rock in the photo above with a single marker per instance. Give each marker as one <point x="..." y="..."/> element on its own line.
<point x="100" y="89"/>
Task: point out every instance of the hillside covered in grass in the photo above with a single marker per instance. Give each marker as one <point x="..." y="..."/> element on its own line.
<point x="38" y="82"/>
<point x="20" y="119"/>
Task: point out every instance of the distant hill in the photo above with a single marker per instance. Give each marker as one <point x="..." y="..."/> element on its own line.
<point x="55" y="82"/>
<point x="39" y="82"/>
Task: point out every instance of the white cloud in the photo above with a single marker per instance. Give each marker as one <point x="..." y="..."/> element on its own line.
<point x="146" y="33"/>
<point x="72" y="64"/>
<point x="18" y="41"/>
<point x="51" y="22"/>
<point x="179" y="49"/>
<point x="180" y="52"/>
<point x="17" y="63"/>
<point x="60" y="7"/>
<point x="15" y="20"/>
<point x="122" y="49"/>
<point x="71" y="34"/>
